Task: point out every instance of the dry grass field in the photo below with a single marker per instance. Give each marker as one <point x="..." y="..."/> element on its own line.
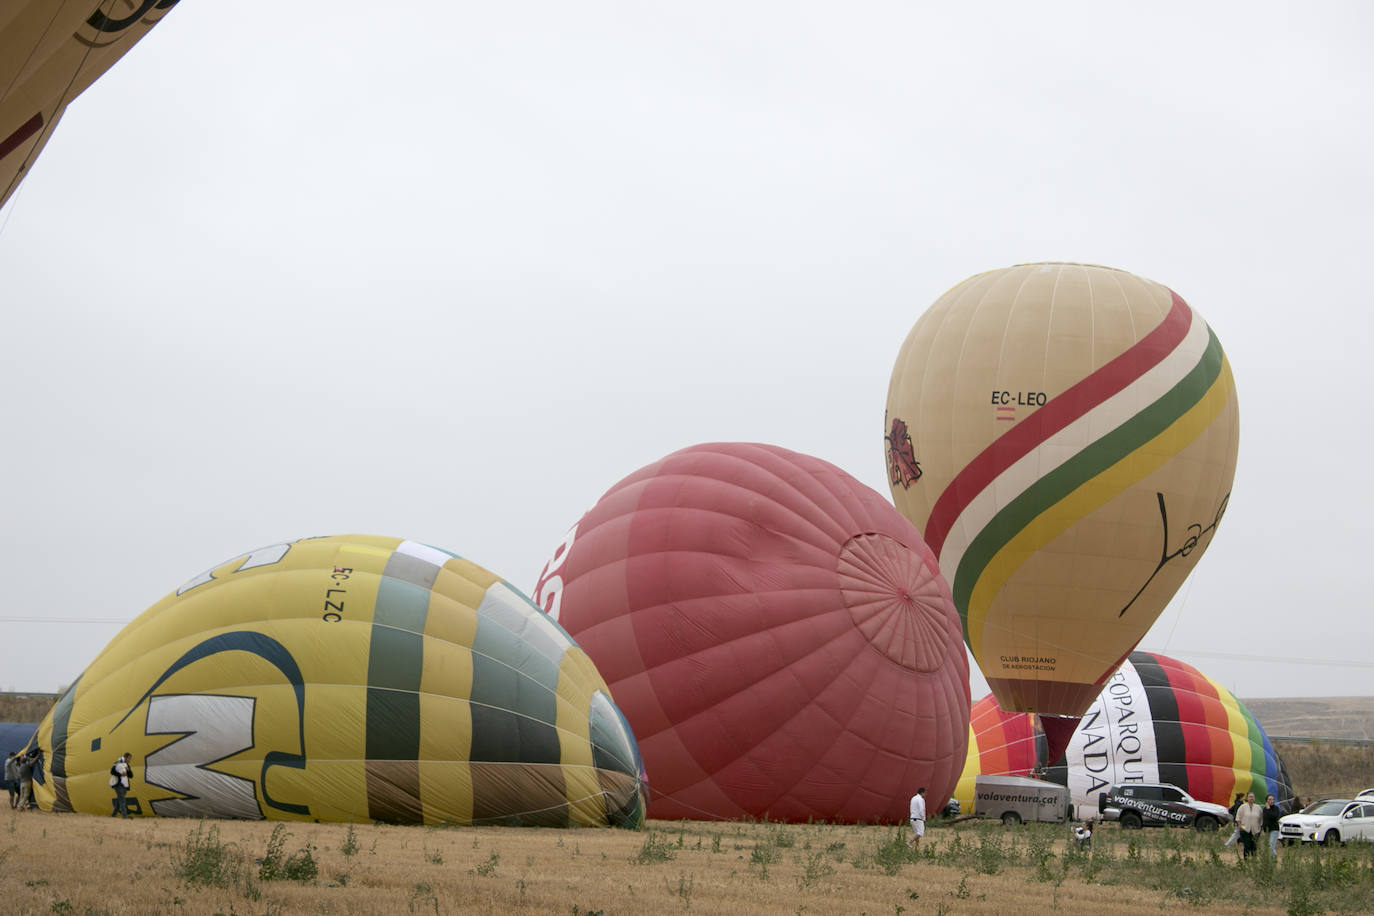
<point x="93" y="865"/>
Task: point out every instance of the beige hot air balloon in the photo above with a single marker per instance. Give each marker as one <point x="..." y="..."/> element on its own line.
<point x="50" y="51"/>
<point x="1065" y="437"/>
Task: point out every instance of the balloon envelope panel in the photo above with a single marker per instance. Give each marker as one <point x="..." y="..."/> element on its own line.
<point x="1157" y="720"/>
<point x="778" y="636"/>
<point x="1065" y="437"/>
<point x="49" y="54"/>
<point x="347" y="678"/>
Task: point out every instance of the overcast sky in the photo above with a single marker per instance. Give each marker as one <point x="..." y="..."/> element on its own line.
<point x="449" y="272"/>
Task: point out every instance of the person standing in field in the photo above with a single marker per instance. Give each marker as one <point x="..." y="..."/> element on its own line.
<point x="1083" y="833"/>
<point x="12" y="777"/>
<point x="26" y="780"/>
<point x="918" y="818"/>
<point x="1235" y="806"/>
<point x="1272" y="813"/>
<point x="120" y="776"/>
<point x="1250" y="819"/>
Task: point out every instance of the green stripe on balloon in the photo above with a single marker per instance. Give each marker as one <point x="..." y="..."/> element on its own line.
<point x="1059" y="483"/>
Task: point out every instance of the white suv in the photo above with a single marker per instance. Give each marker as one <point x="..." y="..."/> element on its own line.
<point x="1332" y="821"/>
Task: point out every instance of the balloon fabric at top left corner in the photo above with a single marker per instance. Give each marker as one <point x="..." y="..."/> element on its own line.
<point x="350" y="678"/>
<point x="50" y="52"/>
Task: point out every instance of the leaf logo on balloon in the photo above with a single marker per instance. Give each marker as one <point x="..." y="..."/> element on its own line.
<point x="902" y="466"/>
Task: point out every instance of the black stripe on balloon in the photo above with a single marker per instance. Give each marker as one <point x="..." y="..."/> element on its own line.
<point x="511" y="724"/>
<point x="57" y="766"/>
<point x="393" y="726"/>
<point x="1163" y="713"/>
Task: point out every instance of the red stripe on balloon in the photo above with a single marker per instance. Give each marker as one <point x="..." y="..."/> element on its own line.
<point x="22" y="133"/>
<point x="1058" y="413"/>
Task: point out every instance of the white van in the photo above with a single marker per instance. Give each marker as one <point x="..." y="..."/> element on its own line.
<point x="1015" y="799"/>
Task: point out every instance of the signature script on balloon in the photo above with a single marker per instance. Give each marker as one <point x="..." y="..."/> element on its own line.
<point x="1193" y="535"/>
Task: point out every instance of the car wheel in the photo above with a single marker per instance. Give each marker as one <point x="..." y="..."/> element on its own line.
<point x="1206" y="823"/>
<point x="1011" y="819"/>
<point x="1130" y="820"/>
<point x="1332" y="838"/>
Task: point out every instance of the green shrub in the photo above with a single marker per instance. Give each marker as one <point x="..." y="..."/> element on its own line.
<point x="205" y="860"/>
<point x="655" y="849"/>
<point x="299" y="866"/>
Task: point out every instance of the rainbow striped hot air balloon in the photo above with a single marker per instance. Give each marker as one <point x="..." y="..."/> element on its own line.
<point x="1157" y="720"/>
<point x="1065" y="437"/>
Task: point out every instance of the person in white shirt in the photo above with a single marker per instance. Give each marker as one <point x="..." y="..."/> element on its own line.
<point x="1083" y="833"/>
<point x="918" y="818"/>
<point x="120" y="774"/>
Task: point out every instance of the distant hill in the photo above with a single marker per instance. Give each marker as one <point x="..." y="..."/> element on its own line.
<point x="25" y="707"/>
<point x="1315" y="717"/>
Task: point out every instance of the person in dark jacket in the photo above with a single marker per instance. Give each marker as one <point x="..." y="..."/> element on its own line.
<point x="1235" y="806"/>
<point x="12" y="777"/>
<point x="1271" y="814"/>
<point x="26" y="764"/>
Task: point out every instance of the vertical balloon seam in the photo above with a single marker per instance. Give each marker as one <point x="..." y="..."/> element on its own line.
<point x="785" y="475"/>
<point x="1073" y="404"/>
<point x="935" y="779"/>
<point x="1087" y="481"/>
<point x="712" y="775"/>
<point x="805" y="525"/>
<point x="746" y="750"/>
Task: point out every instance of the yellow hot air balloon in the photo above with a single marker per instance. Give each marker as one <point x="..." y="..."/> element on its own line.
<point x="348" y="678"/>
<point x="50" y="51"/>
<point x="1065" y="437"/>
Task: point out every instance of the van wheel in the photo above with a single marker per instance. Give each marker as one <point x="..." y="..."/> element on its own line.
<point x="1130" y="820"/>
<point x="1011" y="819"/>
<point x="1206" y="823"/>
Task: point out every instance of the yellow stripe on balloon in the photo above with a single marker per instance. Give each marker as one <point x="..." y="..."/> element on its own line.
<point x="1237" y="724"/>
<point x="963" y="791"/>
<point x="1091" y="496"/>
<point x="580" y="783"/>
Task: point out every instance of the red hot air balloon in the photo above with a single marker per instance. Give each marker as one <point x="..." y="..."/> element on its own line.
<point x="777" y="634"/>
